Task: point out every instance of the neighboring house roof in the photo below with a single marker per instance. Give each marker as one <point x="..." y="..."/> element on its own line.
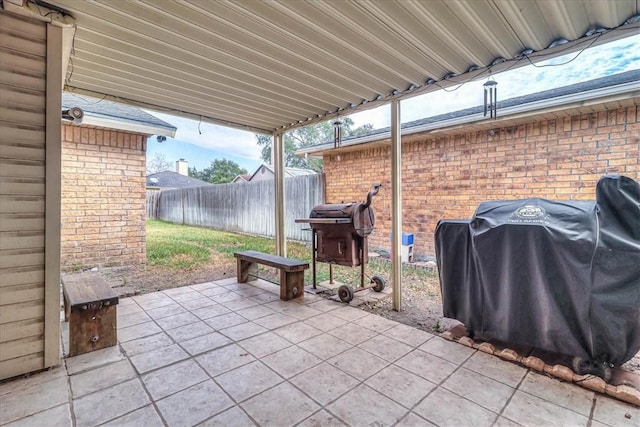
<point x="288" y="172"/>
<point x="242" y="178"/>
<point x="169" y="179"/>
<point x="103" y="113"/>
<point x="618" y="86"/>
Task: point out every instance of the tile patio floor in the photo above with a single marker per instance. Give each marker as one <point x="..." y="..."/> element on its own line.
<point x="229" y="354"/>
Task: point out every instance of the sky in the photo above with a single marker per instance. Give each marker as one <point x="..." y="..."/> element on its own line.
<point x="201" y="143"/>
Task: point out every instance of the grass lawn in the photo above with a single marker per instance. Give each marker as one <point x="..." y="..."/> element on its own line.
<point x="180" y="247"/>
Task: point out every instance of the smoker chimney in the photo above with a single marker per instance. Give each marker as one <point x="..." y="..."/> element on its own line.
<point x="182" y="167"/>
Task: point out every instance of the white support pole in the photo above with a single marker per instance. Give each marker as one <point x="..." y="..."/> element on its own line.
<point x="396" y="205"/>
<point x="277" y="149"/>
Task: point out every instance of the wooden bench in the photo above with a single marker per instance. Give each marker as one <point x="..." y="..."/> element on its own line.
<point x="291" y="271"/>
<point x="90" y="309"/>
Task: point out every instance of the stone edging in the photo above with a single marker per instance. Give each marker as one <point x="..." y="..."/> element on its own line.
<point x="624" y="393"/>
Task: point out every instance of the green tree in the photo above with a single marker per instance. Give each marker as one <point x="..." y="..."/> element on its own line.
<point x="308" y="136"/>
<point x="221" y="171"/>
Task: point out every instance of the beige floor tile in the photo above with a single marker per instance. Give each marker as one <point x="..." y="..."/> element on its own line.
<point x="325" y="346"/>
<point x="322" y="419"/>
<point x="226" y="297"/>
<point x="326" y="321"/>
<point x="93" y="359"/>
<point x="27" y="401"/>
<point x="36" y="379"/>
<point x="59" y="416"/>
<point x="131" y="319"/>
<point x="99" y="378"/>
<point x="186" y="296"/>
<point x="280" y="406"/>
<point x="224" y="359"/>
<point x="445" y="409"/>
<point x="264" y="344"/>
<point x="530" y="410"/>
<point x="482" y="390"/>
<point x="158" y="358"/>
<point x="375" y="323"/>
<point x="613" y="412"/>
<point x="358" y="363"/>
<point x="142" y="345"/>
<point x="447" y="350"/>
<point x="324" y="305"/>
<point x="400" y="385"/>
<point x="153" y="300"/>
<point x="297" y="332"/>
<point x="180" y="290"/>
<point x="426" y="365"/>
<point x="274" y="321"/>
<point x="324" y="383"/>
<point x="235" y="417"/>
<point x="248" y="380"/>
<point x="559" y="393"/>
<point x="126" y="309"/>
<point x="143" y="417"/>
<point x="386" y="348"/>
<point x="176" y="320"/>
<point x="290" y="361"/>
<point x="225" y="321"/>
<point x="353" y="334"/>
<point x="349" y="314"/>
<point x="496" y="368"/>
<point x="202" y="286"/>
<point x="199" y="302"/>
<point x="194" y="405"/>
<point x="413" y="420"/>
<point x="109" y="403"/>
<point x="264" y="298"/>
<point x="299" y="311"/>
<point x="138" y="331"/>
<point x="252" y="291"/>
<point x="506" y="422"/>
<point x="192" y="330"/>
<point x="204" y="343"/>
<point x="364" y="403"/>
<point x="255" y="312"/>
<point x="216" y="290"/>
<point x="239" y="304"/>
<point x="174" y="378"/>
<point x="210" y="311"/>
<point x="243" y="331"/>
<point x="408" y="335"/>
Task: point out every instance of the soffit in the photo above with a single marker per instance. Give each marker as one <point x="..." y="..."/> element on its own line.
<point x="268" y="66"/>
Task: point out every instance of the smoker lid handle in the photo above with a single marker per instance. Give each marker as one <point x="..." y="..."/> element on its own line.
<point x="373" y="192"/>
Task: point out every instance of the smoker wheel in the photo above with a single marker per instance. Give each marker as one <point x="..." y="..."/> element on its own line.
<point x="584" y="366"/>
<point x="345" y="293"/>
<point x="380" y="283"/>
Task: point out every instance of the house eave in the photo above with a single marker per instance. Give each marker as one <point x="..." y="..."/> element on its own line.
<point x="622" y="95"/>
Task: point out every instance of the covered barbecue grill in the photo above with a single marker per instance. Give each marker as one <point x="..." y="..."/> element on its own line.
<point x="340" y="234"/>
<point x="561" y="276"/>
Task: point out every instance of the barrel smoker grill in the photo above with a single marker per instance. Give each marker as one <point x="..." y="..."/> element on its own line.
<point x="340" y="234"/>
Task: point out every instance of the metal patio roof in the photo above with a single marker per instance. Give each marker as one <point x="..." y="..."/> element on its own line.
<point x="268" y="66"/>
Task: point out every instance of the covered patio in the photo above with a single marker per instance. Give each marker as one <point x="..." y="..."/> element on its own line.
<point x="229" y="354"/>
<point x="225" y="353"/>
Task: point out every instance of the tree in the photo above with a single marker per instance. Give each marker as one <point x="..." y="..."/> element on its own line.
<point x="159" y="163"/>
<point x="307" y="136"/>
<point x="221" y="171"/>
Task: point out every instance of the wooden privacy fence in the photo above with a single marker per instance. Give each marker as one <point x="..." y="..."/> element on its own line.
<point x="247" y="207"/>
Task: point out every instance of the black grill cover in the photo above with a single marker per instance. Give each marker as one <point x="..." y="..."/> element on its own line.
<point x="559" y="276"/>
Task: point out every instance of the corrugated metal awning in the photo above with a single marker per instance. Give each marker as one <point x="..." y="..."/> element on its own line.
<point x="268" y="66"/>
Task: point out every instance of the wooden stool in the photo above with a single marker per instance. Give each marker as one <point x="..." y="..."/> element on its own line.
<point x="90" y="309"/>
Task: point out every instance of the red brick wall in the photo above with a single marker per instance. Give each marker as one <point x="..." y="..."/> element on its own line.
<point x="446" y="177"/>
<point x="103" y="197"/>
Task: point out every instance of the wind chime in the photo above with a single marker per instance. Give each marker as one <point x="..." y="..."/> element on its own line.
<point x="337" y="133"/>
<point x="490" y="98"/>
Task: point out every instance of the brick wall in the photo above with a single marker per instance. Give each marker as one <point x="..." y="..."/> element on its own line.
<point x="103" y="197"/>
<point x="446" y="177"/>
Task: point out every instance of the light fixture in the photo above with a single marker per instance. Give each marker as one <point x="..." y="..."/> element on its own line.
<point x="490" y="98"/>
<point x="337" y="133"/>
<point x="74" y="114"/>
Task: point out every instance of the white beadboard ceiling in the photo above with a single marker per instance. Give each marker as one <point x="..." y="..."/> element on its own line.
<point x="271" y="65"/>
